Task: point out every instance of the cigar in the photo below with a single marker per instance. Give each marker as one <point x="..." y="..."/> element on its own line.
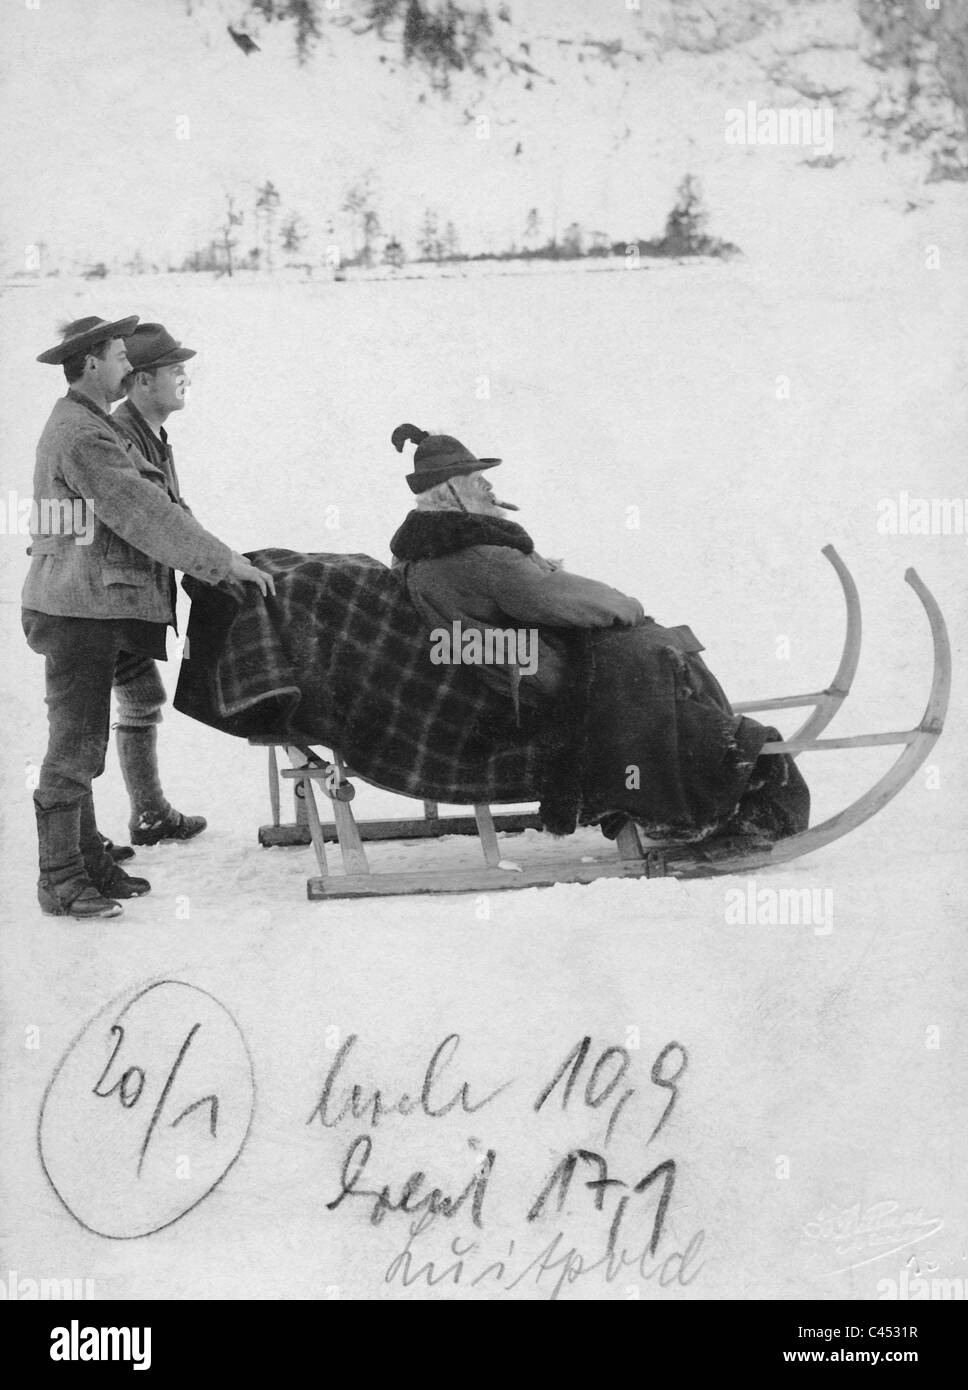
<point x="506" y="506"/>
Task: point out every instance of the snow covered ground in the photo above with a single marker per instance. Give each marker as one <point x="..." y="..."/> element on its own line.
<point x="751" y="412"/>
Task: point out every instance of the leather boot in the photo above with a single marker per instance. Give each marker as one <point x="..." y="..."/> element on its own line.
<point x="64" y="888"/>
<point x="117" y="852"/>
<point x="104" y="872"/>
<point x="152" y="818"/>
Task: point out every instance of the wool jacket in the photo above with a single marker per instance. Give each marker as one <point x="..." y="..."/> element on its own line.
<point x="135" y="533"/>
<point x="483" y="571"/>
<point x="154" y="447"/>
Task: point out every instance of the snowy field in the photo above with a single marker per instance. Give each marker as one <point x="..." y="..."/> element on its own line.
<point x="814" y="1084"/>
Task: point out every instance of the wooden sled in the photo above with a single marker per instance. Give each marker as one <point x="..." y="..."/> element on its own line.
<point x="636" y="856"/>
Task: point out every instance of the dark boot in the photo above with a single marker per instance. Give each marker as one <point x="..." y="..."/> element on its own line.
<point x="172" y="826"/>
<point x="64" y="888"/>
<point x="152" y="818"/>
<point x="115" y="883"/>
<point x="117" y="852"/>
<point x="106" y="875"/>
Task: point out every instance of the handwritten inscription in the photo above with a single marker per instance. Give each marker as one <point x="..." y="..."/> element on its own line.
<point x="375" y="1106"/>
<point x="152" y="1103"/>
<point x="467" y="1263"/>
<point x="147" y="1111"/>
<point x="581" y="1182"/>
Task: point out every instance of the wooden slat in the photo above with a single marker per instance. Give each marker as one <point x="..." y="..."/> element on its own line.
<point x="467" y="880"/>
<point x="312" y="813"/>
<point x="485" y="828"/>
<point x="351" y="848"/>
<point x="827" y="745"/>
<point x="274" y="784"/>
<point x="779" y="702"/>
<point x="511" y="823"/>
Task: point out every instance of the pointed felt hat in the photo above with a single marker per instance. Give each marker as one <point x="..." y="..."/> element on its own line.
<point x="437" y="457"/>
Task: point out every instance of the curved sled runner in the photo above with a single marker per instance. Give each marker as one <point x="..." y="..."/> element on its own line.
<point x="916" y="743"/>
<point x="637" y="857"/>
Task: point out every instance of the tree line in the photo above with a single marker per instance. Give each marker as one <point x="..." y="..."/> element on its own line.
<point x="279" y="237"/>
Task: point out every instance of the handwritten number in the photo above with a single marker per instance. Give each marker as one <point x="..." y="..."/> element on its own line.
<point x="130" y="1093"/>
<point x="619" y="1060"/>
<point x="669" y="1082"/>
<point x="211" y="1102"/>
<point x="668" y="1172"/>
<point x="560" y="1177"/>
<point x="576" y="1060"/>
<point x="610" y="1052"/>
<point x="115" y="1028"/>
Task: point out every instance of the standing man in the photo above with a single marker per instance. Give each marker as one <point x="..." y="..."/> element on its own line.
<point x="96" y="598"/>
<point x="155" y="388"/>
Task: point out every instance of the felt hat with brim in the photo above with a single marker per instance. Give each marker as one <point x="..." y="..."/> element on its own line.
<point x="437" y="458"/>
<point x="83" y="335"/>
<point x="151" y="345"/>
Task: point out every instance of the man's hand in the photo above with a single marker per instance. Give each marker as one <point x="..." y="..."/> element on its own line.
<point x="247" y="573"/>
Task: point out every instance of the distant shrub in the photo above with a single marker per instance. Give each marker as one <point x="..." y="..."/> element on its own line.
<point x="685" y="230"/>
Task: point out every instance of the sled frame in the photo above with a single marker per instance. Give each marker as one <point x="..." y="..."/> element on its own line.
<point x="637" y="857"/>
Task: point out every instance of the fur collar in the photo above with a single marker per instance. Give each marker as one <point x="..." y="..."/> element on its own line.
<point x="428" y="535"/>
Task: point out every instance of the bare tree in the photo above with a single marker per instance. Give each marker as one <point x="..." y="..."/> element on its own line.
<point x="364" y="219"/>
<point x="371" y="230"/>
<point x="451" y="242"/>
<point x="226" y="241"/>
<point x="266" y="210"/>
<point x="292" y="234"/>
<point x="686" y="224"/>
<point x="429" y="245"/>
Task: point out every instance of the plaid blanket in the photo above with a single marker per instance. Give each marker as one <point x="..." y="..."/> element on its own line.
<point x="340" y="657"/>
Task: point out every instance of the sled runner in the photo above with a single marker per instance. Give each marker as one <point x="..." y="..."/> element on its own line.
<point x="636" y="857"/>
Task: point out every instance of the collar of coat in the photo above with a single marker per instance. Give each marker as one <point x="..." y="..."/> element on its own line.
<point x="428" y="535"/>
<point x="79" y="398"/>
<point x="128" y="407"/>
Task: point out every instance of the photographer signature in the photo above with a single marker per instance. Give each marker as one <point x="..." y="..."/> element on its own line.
<point x="871" y="1232"/>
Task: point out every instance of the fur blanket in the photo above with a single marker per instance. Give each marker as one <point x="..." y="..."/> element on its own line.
<point x="340" y="657"/>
